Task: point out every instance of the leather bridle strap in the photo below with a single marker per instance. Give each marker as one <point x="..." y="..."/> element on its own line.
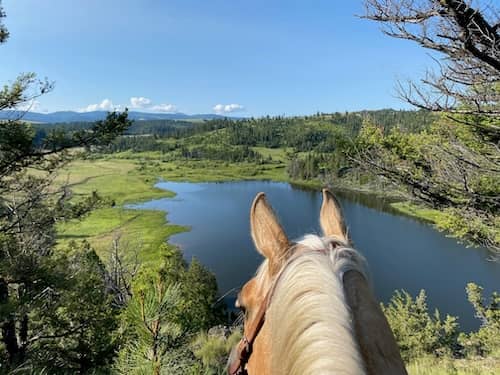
<point x="245" y="346"/>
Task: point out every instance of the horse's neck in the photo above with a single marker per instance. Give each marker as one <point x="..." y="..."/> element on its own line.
<point x="310" y="322"/>
<point x="374" y="336"/>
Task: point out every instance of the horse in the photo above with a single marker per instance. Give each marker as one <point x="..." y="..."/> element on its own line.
<point x="310" y="308"/>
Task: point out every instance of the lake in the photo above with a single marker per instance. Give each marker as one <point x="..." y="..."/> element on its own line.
<point x="402" y="253"/>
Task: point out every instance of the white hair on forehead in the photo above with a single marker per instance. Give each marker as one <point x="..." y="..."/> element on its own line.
<point x="310" y="322"/>
<point x="343" y="256"/>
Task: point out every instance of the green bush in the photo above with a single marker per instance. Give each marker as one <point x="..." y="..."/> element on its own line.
<point x="417" y="332"/>
<point x="213" y="350"/>
<point x="486" y="340"/>
<point x="422" y="335"/>
<point x="167" y="307"/>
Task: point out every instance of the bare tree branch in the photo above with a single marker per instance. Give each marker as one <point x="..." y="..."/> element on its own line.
<point x="469" y="41"/>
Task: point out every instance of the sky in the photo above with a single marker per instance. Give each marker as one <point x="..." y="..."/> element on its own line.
<point x="234" y="57"/>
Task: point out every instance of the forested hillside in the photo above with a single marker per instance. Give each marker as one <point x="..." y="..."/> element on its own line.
<point x="402" y="154"/>
<point x="313" y="145"/>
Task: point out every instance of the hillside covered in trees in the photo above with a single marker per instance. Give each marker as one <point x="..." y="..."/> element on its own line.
<point x="408" y="155"/>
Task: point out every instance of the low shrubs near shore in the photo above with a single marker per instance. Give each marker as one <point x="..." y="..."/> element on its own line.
<point x="432" y="344"/>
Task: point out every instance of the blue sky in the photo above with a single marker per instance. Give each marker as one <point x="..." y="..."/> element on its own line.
<point x="248" y="58"/>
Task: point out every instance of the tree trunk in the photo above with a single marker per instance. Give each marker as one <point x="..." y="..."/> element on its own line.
<point x="23" y="338"/>
<point x="9" y="337"/>
<point x="16" y="349"/>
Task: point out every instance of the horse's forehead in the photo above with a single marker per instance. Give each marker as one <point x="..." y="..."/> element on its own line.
<point x="254" y="288"/>
<point x="250" y="287"/>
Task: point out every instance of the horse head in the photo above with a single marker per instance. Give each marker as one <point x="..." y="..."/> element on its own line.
<point x="309" y="308"/>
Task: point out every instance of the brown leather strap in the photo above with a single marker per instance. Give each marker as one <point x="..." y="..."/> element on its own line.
<point x="245" y="346"/>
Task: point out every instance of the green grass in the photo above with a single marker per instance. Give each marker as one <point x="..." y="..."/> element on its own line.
<point x="309" y="184"/>
<point x="128" y="155"/>
<point x="277" y="154"/>
<point x="121" y="188"/>
<point x="130" y="178"/>
<point x="154" y="166"/>
<point x="78" y="171"/>
<point x="121" y="182"/>
<point x="424" y="213"/>
<point x="212" y="171"/>
<point x="432" y="366"/>
<point x="142" y="229"/>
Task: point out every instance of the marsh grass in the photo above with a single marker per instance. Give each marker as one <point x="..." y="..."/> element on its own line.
<point x="130" y="178"/>
<point x="118" y="182"/>
<point x="424" y="213"/>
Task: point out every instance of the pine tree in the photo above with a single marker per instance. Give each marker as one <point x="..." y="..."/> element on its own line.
<point x="43" y="323"/>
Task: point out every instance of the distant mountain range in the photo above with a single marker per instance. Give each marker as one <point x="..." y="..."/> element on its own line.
<point x="70" y="116"/>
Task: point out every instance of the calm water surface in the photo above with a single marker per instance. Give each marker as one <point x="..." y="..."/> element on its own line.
<point x="402" y="253"/>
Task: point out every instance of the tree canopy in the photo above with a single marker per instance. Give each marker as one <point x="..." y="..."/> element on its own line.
<point x="466" y="36"/>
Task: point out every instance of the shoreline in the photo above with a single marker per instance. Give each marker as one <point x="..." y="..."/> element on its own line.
<point x="127" y="181"/>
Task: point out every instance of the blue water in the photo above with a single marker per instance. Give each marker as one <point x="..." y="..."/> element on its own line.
<point x="402" y="253"/>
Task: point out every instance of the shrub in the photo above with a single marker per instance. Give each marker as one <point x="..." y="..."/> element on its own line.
<point x="487" y="339"/>
<point x="421" y="335"/>
<point x="417" y="332"/>
<point x="213" y="350"/>
<point x="168" y="306"/>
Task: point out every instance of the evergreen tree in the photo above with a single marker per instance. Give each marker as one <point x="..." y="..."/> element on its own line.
<point x="168" y="307"/>
<point x="54" y="307"/>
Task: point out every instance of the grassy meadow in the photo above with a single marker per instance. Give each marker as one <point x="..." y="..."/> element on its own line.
<point x="155" y="165"/>
<point x="433" y="366"/>
<point x="130" y="178"/>
<point x="117" y="181"/>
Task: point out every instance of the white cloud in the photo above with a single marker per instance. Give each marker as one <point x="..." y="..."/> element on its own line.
<point x="147" y="105"/>
<point x="227" y="108"/>
<point x="136" y="102"/>
<point x="105" y="105"/>
<point x="139" y="102"/>
<point x="163" y="108"/>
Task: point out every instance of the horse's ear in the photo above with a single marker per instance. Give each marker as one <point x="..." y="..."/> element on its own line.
<point x="269" y="237"/>
<point x="331" y="217"/>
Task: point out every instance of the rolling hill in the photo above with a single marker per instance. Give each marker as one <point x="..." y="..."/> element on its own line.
<point x="71" y="116"/>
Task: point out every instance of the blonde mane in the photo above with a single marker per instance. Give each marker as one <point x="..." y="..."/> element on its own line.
<point x="310" y="308"/>
<point x="310" y="322"/>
